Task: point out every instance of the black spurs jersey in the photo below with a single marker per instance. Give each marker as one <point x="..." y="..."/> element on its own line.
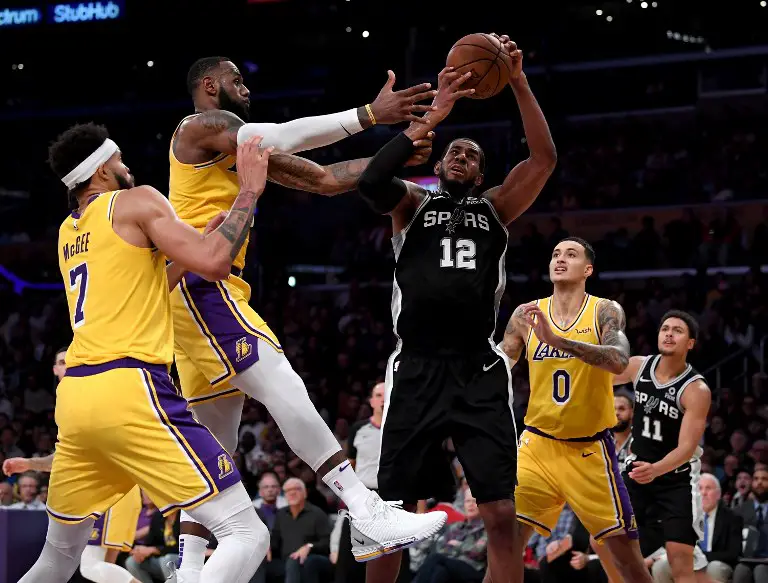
<point x="658" y="415"/>
<point x="449" y="276"/>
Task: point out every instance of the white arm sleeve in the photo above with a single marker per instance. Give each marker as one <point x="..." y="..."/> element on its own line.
<point x="305" y="133"/>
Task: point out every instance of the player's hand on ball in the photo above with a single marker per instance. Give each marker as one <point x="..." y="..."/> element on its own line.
<point x="214" y="223"/>
<point x="422" y="151"/>
<point x="513" y="57"/>
<point x="449" y="91"/>
<point x="252" y="161"/>
<point x="643" y="472"/>
<point x="392" y="107"/>
<point x="15" y="465"/>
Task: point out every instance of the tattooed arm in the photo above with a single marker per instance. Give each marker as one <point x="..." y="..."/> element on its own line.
<point x="515" y="335"/>
<point x="148" y="214"/>
<point x="612" y="354"/>
<point x="302" y="174"/>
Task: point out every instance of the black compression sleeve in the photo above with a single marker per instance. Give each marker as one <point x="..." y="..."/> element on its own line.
<point x="378" y="185"/>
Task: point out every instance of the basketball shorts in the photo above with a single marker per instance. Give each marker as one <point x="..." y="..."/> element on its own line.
<point x="671" y="504"/>
<point x="216" y="335"/>
<point x="583" y="474"/>
<point x="122" y="424"/>
<point x="430" y="399"/>
<point x="116" y="528"/>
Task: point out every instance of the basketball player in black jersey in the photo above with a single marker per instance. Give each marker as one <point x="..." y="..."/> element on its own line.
<point x="671" y="405"/>
<point x="446" y="378"/>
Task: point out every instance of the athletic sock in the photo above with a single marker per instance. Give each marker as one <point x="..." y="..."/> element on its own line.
<point x="191" y="557"/>
<point x="346" y="485"/>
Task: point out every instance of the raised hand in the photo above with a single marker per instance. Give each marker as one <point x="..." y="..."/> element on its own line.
<point x="448" y="92"/>
<point x="391" y="107"/>
<point x="15" y="465"/>
<point x="513" y="57"/>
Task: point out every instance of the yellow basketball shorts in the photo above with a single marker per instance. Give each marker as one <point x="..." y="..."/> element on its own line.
<point x="216" y="335"/>
<point x="121" y="424"/>
<point x="583" y="474"/>
<point x="116" y="528"/>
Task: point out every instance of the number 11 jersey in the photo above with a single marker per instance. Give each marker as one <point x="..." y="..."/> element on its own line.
<point x="570" y="399"/>
<point x="449" y="276"/>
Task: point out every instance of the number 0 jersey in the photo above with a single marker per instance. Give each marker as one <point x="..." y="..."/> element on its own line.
<point x="570" y="399"/>
<point x="117" y="293"/>
<point x="449" y="276"/>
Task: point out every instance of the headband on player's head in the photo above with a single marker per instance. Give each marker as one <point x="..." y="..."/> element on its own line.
<point x="88" y="167"/>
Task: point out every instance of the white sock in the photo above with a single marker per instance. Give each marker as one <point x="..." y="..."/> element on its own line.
<point x="346" y="485"/>
<point x="192" y="556"/>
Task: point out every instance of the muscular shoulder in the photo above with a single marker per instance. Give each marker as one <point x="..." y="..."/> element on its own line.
<point x="415" y="193"/>
<point x="193" y="138"/>
<point x="610" y="313"/>
<point x="137" y="203"/>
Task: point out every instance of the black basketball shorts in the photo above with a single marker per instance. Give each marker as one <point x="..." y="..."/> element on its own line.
<point x="429" y="399"/>
<point x="668" y="509"/>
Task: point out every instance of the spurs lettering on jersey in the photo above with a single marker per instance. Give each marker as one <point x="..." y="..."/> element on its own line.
<point x="472" y="220"/>
<point x="651" y="404"/>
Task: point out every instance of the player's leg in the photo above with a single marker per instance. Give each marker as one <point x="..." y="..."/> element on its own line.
<point x="483" y="430"/>
<point x="599" y="498"/>
<point x="95" y="566"/>
<point x="222" y="417"/>
<point x="64" y="544"/>
<point x="606" y="560"/>
<point x="180" y="464"/>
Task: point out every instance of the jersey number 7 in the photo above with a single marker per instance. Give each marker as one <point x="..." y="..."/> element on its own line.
<point x="78" y="280"/>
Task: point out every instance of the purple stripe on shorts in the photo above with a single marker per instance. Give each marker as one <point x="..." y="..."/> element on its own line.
<point x="239" y="343"/>
<point x="99" y="527"/>
<point x="86" y="370"/>
<point x="628" y="514"/>
<point x="198" y="438"/>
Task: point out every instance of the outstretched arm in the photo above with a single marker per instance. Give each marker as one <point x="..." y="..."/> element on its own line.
<point x="696" y="400"/>
<point x="629" y="374"/>
<point x="612" y="354"/>
<point x="19" y="465"/>
<point x="222" y="131"/>
<point x="524" y="183"/>
<point x="515" y="334"/>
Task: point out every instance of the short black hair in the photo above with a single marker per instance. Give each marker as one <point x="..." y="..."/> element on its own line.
<point x="479" y="149"/>
<point x="690" y="322"/>
<point x="589" y="251"/>
<point x="200" y="68"/>
<point x="73" y="146"/>
<point x="60" y="350"/>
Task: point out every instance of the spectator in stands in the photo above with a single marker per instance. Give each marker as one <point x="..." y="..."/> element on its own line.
<point x="6" y="494"/>
<point x="8" y="446"/>
<point x="754" y="513"/>
<point x="300" y="539"/>
<point x="743" y="486"/>
<point x="149" y="563"/>
<point x="29" y="488"/>
<point x="270" y="499"/>
<point x="460" y="554"/>
<point x="721" y="542"/>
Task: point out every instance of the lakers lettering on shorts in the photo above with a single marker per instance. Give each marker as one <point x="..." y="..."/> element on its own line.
<point x="225" y="466"/>
<point x="243" y="349"/>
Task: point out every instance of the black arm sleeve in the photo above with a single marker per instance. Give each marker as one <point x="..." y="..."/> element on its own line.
<point x="378" y="185"/>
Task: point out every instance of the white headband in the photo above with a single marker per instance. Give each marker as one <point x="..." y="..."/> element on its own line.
<point x="88" y="167"/>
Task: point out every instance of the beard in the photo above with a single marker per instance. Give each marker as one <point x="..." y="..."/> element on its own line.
<point x="456" y="189"/>
<point x="621" y="426"/>
<point x="762" y="497"/>
<point x="125" y="182"/>
<point x="241" y="110"/>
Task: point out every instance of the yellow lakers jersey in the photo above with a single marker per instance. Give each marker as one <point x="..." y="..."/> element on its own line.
<point x="198" y="192"/>
<point x="569" y="398"/>
<point x="117" y="293"/>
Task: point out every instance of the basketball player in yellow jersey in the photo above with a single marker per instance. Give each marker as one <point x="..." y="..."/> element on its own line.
<point x="223" y="349"/>
<point x="574" y="343"/>
<point x="121" y="420"/>
<point x="113" y="532"/>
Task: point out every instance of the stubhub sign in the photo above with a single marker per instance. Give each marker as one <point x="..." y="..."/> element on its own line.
<point x="84" y="11"/>
<point x="63" y="12"/>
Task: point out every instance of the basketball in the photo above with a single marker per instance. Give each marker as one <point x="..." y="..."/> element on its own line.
<point x="483" y="56"/>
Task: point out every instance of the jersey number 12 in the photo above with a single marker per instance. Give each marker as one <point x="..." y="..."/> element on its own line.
<point x="656" y="429"/>
<point x="78" y="278"/>
<point x="462" y="257"/>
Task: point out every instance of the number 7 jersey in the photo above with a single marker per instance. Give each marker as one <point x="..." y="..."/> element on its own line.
<point x="117" y="293"/>
<point x="570" y="399"/>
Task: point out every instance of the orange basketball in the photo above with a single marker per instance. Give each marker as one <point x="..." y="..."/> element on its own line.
<point x="485" y="57"/>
